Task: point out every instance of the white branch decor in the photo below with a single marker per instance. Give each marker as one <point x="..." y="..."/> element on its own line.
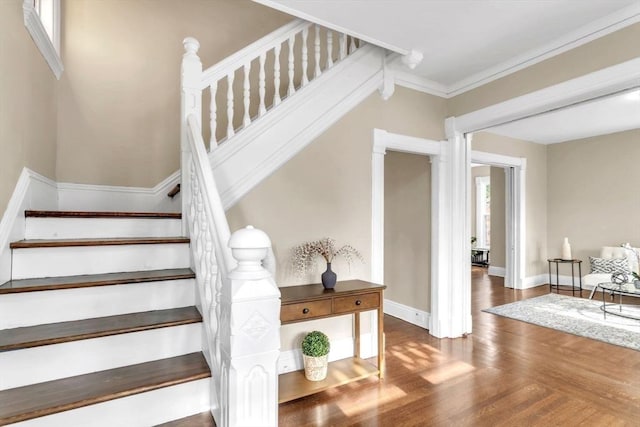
<point x="305" y="254"/>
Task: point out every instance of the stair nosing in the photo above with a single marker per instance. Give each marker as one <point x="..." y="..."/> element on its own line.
<point x="172" y="274"/>
<point x="105" y="397"/>
<point x="100" y="214"/>
<point x="138" y="326"/>
<point x="63" y="243"/>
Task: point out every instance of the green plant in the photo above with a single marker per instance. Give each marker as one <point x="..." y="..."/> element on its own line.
<point x="315" y="344"/>
<point x="473" y="239"/>
<point x="635" y="275"/>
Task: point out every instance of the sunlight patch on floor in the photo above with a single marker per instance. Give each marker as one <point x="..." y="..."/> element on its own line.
<point x="370" y="400"/>
<point x="446" y="372"/>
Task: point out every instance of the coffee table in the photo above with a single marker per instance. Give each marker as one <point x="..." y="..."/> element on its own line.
<point x="619" y="309"/>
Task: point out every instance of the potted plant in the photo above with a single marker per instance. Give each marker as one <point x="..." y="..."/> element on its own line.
<point x="305" y="254"/>
<point x="315" y="351"/>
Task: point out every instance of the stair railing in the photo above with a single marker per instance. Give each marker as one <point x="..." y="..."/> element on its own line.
<point x="286" y="61"/>
<point x="238" y="299"/>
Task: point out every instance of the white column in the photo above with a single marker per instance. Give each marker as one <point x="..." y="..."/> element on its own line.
<point x="451" y="304"/>
<point x="377" y="208"/>
<point x="190" y="103"/>
<point x="250" y="335"/>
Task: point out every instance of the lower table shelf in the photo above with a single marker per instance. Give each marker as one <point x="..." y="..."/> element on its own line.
<point x="294" y="385"/>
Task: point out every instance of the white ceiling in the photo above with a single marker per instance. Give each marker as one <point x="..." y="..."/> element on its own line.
<point x="615" y="113"/>
<point x="467" y="43"/>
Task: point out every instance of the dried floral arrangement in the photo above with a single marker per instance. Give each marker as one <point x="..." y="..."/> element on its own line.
<point x="304" y="254"/>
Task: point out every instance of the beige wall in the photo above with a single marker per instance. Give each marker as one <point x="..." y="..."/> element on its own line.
<point x="27" y="103"/>
<point x="477" y="171"/>
<point x="326" y="190"/>
<point x="118" y="105"/>
<point x="601" y="53"/>
<point x="407" y="229"/>
<point x="593" y="194"/>
<point x="536" y="193"/>
<point x="498" y="230"/>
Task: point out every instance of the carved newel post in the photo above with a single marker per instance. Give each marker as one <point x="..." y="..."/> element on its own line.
<point x="251" y="342"/>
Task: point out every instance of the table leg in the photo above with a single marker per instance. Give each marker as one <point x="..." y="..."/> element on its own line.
<point x="557" y="277"/>
<point x="573" y="281"/>
<point x="357" y="334"/>
<point x="580" y="276"/>
<point x="604" y="309"/>
<point x="550" y="287"/>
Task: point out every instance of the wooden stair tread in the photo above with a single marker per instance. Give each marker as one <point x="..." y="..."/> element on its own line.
<point x="37" y="400"/>
<point x="203" y="419"/>
<point x="55" y="333"/>
<point x="90" y="280"/>
<point x="61" y="243"/>
<point x="104" y="214"/>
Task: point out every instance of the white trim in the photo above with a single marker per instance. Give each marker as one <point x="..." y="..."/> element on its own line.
<point x="534" y="281"/>
<point x="497" y="271"/>
<point x="408" y="314"/>
<point x="115" y="198"/>
<point x="291" y="360"/>
<point x="31" y="191"/>
<point x="419" y="83"/>
<point x="499" y="160"/>
<point x="592" y="31"/>
<point x="599" y="83"/>
<point x="41" y="38"/>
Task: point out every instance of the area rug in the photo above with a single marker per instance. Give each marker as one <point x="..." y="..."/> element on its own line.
<point x="576" y="316"/>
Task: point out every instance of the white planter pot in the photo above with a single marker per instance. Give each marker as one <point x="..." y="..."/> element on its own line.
<point x="315" y="368"/>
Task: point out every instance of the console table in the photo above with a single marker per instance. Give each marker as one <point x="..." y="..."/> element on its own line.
<point x="308" y="302"/>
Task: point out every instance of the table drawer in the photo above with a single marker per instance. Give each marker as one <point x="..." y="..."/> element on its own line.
<point x="305" y="310"/>
<point x="356" y="303"/>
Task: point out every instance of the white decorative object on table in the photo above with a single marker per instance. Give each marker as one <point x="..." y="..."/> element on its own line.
<point x="566" y="249"/>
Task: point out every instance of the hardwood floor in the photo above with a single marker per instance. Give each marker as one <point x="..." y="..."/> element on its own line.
<point x="506" y="373"/>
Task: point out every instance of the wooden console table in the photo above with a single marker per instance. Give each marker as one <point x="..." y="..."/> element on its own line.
<point x="308" y="302"/>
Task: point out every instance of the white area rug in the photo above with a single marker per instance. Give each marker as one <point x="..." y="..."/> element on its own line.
<point x="576" y="316"/>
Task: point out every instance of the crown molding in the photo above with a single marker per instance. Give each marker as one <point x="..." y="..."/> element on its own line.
<point x="592" y="31"/>
<point x="421" y="84"/>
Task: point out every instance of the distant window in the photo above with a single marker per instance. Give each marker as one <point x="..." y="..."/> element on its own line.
<point x="42" y="19"/>
<point x="483" y="212"/>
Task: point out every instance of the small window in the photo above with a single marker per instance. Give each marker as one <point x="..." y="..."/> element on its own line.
<point x="42" y="19"/>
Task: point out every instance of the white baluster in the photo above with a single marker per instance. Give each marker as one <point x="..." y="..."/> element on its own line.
<point x="276" y="75"/>
<point x="230" y="130"/>
<point x="246" y="120"/>
<point x="343" y="46"/>
<point x="213" y="115"/>
<point x="329" y="48"/>
<point x="261" y="85"/>
<point x="305" y="60"/>
<point x="352" y="46"/>
<point x="292" y="89"/>
<point x="316" y="45"/>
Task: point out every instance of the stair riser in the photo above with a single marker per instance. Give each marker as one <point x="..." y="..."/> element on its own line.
<point x="36" y="308"/>
<point x="140" y="410"/>
<point x="51" y="362"/>
<point x="76" y="260"/>
<point x="70" y="228"/>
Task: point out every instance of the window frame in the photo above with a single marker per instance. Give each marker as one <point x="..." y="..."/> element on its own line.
<point x="49" y="46"/>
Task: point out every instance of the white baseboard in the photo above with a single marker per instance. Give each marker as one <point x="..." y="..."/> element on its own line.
<point x="408" y="314"/>
<point x="497" y="271"/>
<point x="114" y="198"/>
<point x="291" y="360"/>
<point x="32" y="191"/>
<point x="534" y="281"/>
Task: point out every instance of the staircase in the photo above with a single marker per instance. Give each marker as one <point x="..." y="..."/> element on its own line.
<point x="99" y="325"/>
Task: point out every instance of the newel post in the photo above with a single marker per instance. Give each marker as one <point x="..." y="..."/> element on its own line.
<point x="190" y="103"/>
<point x="250" y="342"/>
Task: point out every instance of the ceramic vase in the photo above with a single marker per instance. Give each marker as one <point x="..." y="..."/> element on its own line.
<point x="329" y="278"/>
<point x="566" y="249"/>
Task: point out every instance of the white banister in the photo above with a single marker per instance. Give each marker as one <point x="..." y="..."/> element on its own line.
<point x="213" y="115"/>
<point x="230" y="103"/>
<point x="262" y="85"/>
<point x="276" y="76"/>
<point x="329" y="48"/>
<point x="343" y="46"/>
<point x="316" y="47"/>
<point x="305" y="59"/>
<point x="246" y="120"/>
<point x="291" y="43"/>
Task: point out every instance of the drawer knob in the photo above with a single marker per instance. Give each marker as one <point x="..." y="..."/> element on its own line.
<point x="358" y="302"/>
<point x="305" y="311"/>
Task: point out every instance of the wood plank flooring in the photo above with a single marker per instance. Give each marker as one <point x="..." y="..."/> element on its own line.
<point x="50" y="397"/>
<point x="507" y="373"/>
